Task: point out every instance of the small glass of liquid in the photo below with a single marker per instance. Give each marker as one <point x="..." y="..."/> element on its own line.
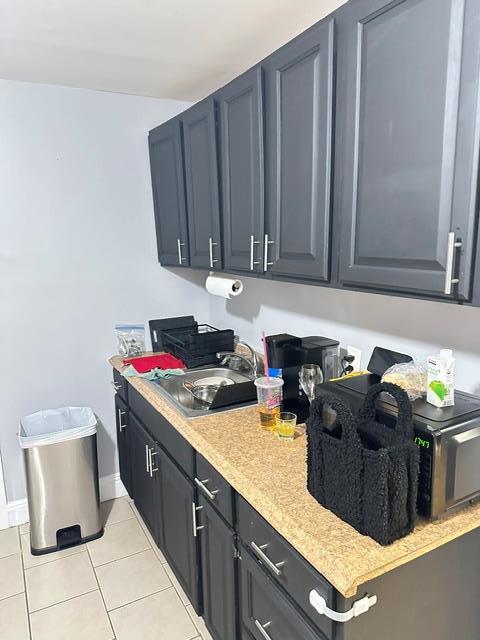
<point x="285" y="425"/>
<point x="270" y="394"/>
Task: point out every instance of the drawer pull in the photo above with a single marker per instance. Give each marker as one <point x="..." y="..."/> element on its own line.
<point x="319" y="603"/>
<point x="261" y="627"/>
<point x="117" y="386"/>
<point x="274" y="567"/>
<point x="201" y="485"/>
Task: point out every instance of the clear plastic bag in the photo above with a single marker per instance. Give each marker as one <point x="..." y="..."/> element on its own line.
<point x="410" y="376"/>
<point x="130" y="339"/>
<point x="51" y="426"/>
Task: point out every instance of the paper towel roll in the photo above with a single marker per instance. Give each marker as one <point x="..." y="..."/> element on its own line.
<point x="224" y="287"/>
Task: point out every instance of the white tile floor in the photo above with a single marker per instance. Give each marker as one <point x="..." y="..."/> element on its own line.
<point x="118" y="587"/>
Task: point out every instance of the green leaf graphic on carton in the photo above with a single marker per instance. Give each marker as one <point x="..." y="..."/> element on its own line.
<point x="438" y="388"/>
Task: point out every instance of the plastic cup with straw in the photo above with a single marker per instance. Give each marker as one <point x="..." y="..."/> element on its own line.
<point x="269" y="394"/>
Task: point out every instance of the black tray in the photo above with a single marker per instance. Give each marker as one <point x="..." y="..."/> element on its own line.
<point x="199" y="340"/>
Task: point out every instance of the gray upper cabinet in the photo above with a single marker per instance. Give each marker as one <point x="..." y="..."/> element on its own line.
<point x="241" y="127"/>
<point x="408" y="132"/>
<point x="299" y="105"/>
<point x="201" y="180"/>
<point x="166" y="165"/>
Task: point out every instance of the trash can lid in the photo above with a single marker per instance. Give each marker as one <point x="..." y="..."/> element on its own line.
<point x="51" y="426"/>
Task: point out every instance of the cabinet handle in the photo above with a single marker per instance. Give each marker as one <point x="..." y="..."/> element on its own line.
<point x="194" y="519"/>
<point x="117" y="386"/>
<point x="258" y="550"/>
<point x="151" y="453"/>
<point x="201" y="485"/>
<point x="121" y="426"/>
<point x="179" y="247"/>
<point x="211" y="244"/>
<point x="147" y="459"/>
<point x="266" y="263"/>
<point x="449" y="279"/>
<point x="253" y="262"/>
<point x="261" y="627"/>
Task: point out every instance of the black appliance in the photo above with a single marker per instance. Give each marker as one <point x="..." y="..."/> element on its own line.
<point x="289" y="353"/>
<point x="449" y="441"/>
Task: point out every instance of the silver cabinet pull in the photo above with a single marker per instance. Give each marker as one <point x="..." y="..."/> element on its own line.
<point x="115" y="385"/>
<point x="152" y="453"/>
<point x="121" y="426"/>
<point x="194" y="519"/>
<point x="261" y="627"/>
<point x="147" y="459"/>
<point x="211" y="244"/>
<point x="253" y="262"/>
<point x="259" y="552"/>
<point x="266" y="263"/>
<point x="449" y="279"/>
<point x="180" y="244"/>
<point x="201" y="485"/>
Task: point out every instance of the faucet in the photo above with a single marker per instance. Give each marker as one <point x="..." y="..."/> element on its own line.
<point x="253" y="363"/>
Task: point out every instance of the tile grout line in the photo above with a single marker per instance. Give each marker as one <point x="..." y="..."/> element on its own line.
<point x="126" y="604"/>
<point x="104" y="564"/>
<point x="101" y="595"/>
<point x="30" y="635"/>
<point x="42" y="564"/>
<point x="49" y="606"/>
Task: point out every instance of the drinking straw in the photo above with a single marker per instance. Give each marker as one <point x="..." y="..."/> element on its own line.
<point x="265" y="357"/>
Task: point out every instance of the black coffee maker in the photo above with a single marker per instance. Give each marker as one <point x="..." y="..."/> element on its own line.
<point x="289" y="353"/>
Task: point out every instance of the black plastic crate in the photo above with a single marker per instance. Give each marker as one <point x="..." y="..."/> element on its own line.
<point x="199" y="340"/>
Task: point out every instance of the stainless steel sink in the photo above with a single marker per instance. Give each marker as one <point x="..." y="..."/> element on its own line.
<point x="173" y="390"/>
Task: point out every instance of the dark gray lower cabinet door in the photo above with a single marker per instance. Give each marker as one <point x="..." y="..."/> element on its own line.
<point x="408" y="121"/>
<point x="241" y="126"/>
<point x="217" y="548"/>
<point x="123" y="443"/>
<point x="265" y="611"/>
<point x="168" y="187"/>
<point x="176" y="520"/>
<point x="201" y="181"/>
<point x="299" y="122"/>
<point x="144" y="483"/>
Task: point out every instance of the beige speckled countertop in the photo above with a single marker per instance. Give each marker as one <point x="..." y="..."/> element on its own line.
<point x="272" y="475"/>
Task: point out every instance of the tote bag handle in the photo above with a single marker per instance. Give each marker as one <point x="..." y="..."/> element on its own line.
<point x="404" y="418"/>
<point x="344" y="416"/>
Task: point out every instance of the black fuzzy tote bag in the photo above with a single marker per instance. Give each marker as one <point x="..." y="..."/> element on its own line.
<point x="362" y="470"/>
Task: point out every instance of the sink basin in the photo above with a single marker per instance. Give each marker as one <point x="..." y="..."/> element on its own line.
<point x="173" y="389"/>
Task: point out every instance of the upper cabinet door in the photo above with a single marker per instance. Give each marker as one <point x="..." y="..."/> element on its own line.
<point x="299" y="112"/>
<point x="408" y="163"/>
<point x="166" y="164"/>
<point x="201" y="178"/>
<point x="241" y="125"/>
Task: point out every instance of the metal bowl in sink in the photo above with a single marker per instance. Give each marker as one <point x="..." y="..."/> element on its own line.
<point x="174" y="388"/>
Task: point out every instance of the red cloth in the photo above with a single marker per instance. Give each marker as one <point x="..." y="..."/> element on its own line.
<point x="143" y="364"/>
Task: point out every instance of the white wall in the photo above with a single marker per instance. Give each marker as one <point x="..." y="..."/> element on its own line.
<point x="77" y="252"/>
<point x="363" y="320"/>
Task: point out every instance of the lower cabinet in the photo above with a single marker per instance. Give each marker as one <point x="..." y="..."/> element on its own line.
<point x="177" y="530"/>
<point x="144" y="465"/>
<point x="217" y="556"/>
<point x="266" y="614"/>
<point x="123" y="443"/>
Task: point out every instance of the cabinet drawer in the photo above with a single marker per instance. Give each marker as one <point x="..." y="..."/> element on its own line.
<point x="163" y="432"/>
<point x="286" y="566"/>
<point x="266" y="613"/>
<point x="214" y="488"/>
<point x="121" y="385"/>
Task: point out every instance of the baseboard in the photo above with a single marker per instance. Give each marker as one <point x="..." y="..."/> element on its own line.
<point x="110" y="487"/>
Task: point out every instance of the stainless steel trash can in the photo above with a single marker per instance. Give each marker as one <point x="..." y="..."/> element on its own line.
<point x="60" y="453"/>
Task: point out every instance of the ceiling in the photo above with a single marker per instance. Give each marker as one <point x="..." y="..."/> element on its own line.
<point x="178" y="49"/>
